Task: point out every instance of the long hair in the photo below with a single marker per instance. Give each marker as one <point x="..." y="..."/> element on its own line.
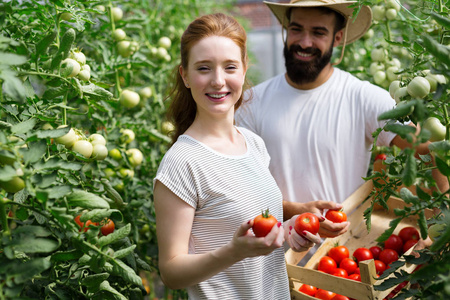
<point x="183" y="109"/>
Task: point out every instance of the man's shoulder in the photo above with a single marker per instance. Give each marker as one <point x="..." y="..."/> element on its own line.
<point x="276" y="80"/>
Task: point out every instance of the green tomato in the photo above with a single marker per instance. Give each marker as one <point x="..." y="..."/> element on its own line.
<point x="390" y="73"/>
<point x="435" y="127"/>
<point x="129" y="99"/>
<point x="84" y="75"/>
<point x="99" y="152"/>
<point x="119" y="35"/>
<point x="97" y="139"/>
<point x="419" y="87"/>
<point x="127" y="136"/>
<point x="378" y="12"/>
<point x="66" y="16"/>
<point x="135" y="156"/>
<point x="165" y="42"/>
<point x="14" y="185"/>
<point x="123" y="48"/>
<point x="369" y="34"/>
<point x="126" y="173"/>
<point x="378" y="54"/>
<point x="116" y="14"/>
<point x="393" y="4"/>
<point x="68" y="139"/>
<point x="146" y="92"/>
<point x="167" y="127"/>
<point x="435" y="231"/>
<point x="78" y="56"/>
<point x="434" y="79"/>
<point x="83" y="147"/>
<point x="6" y="157"/>
<point x="70" y="68"/>
<point x="391" y="14"/>
<point x="393" y="87"/>
<point x="374" y="67"/>
<point x="115" y="154"/>
<point x="400" y="93"/>
<point x="379" y="77"/>
<point x="109" y="173"/>
<point x="161" y="53"/>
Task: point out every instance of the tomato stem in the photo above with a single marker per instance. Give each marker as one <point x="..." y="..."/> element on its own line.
<point x="3" y="218"/>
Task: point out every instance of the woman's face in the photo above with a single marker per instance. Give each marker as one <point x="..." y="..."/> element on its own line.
<point x="215" y="75"/>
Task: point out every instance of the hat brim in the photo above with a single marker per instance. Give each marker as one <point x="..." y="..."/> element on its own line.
<point x="356" y="27"/>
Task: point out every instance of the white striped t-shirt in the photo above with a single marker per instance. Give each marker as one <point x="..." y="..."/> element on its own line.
<point x="225" y="191"/>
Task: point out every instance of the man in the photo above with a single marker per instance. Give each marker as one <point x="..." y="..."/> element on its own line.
<point x="316" y="120"/>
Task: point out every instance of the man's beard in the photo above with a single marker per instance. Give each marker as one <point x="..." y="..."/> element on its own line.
<point x="302" y="72"/>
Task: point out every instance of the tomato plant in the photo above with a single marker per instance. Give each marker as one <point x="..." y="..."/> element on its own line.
<point x="307" y="222"/>
<point x="336" y="216"/>
<point x="61" y="114"/>
<point x="263" y="224"/>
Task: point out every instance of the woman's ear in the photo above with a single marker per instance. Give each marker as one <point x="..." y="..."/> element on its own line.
<point x="183" y="76"/>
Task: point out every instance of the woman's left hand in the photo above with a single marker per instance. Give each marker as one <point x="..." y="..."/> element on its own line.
<point x="299" y="242"/>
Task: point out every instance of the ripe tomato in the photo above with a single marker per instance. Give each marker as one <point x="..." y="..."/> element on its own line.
<point x="380" y="156"/>
<point x="354" y="276"/>
<point x="307" y="222"/>
<point x="327" y="264"/>
<point x="108" y="227"/>
<point x="348" y="265"/>
<point x="85" y="225"/>
<point x="338" y="253"/>
<point x="409" y="233"/>
<point x="324" y="295"/>
<point x="409" y="244"/>
<point x="340" y="273"/>
<point x="379" y="266"/>
<point x="375" y="251"/>
<point x="340" y="297"/>
<point x="336" y="216"/>
<point x="362" y="253"/>
<point x="394" y="242"/>
<point x="263" y="224"/>
<point x="308" y="289"/>
<point x="388" y="255"/>
<point x="77" y="220"/>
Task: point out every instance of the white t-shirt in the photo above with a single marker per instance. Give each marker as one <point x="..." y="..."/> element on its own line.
<point x="225" y="192"/>
<point x="319" y="140"/>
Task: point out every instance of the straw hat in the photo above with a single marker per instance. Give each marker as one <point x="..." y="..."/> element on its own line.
<point x="355" y="28"/>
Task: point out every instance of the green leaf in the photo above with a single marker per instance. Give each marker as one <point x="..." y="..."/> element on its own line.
<point x="97" y="215"/>
<point x="126" y="272"/>
<point x="33" y="245"/>
<point x="59" y="191"/>
<point x="441" y="52"/>
<point x="408" y="197"/>
<point x="86" y="200"/>
<point x="115" y="236"/>
<point x="35" y="151"/>
<point x="402" y="130"/>
<point x="392" y="225"/>
<point x="409" y="174"/>
<point x="96" y="93"/>
<point x="7" y="173"/>
<point x="24" y="127"/>
<point x="94" y="280"/>
<point x="23" y="272"/>
<point x="442" y="166"/>
<point x="105" y="286"/>
<point x="423" y="225"/>
<point x="441" y="20"/>
<point x="32" y="230"/>
<point x="57" y="164"/>
<point x="65" y="256"/>
<point x="11" y="59"/>
<point x="124" y="252"/>
<point x="400" y="111"/>
<point x="45" y="42"/>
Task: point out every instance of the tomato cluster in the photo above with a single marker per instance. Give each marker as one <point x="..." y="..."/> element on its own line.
<point x="339" y="262"/>
<point x="107" y="225"/>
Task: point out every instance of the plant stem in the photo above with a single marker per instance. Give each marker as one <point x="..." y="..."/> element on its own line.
<point x="3" y="218"/>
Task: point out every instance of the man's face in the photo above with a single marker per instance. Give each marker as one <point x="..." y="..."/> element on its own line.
<point x="309" y="44"/>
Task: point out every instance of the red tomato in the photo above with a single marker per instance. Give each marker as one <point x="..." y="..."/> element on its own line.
<point x="107" y="227"/>
<point x="340" y="273"/>
<point x="379" y="266"/>
<point x="327" y="264"/>
<point x="348" y="265"/>
<point x="388" y="255"/>
<point x="86" y="225"/>
<point x="362" y="253"/>
<point x="324" y="295"/>
<point x="354" y="276"/>
<point x="357" y="271"/>
<point x="340" y="297"/>
<point x="336" y="216"/>
<point x="375" y="251"/>
<point x="394" y="242"/>
<point x="307" y="222"/>
<point x="338" y="253"/>
<point x="263" y="224"/>
<point x="308" y="289"/>
<point x="408" y="244"/>
<point x="77" y="220"/>
<point x="409" y="233"/>
<point x="381" y="156"/>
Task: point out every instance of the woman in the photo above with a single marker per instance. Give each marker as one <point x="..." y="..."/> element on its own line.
<point x="215" y="179"/>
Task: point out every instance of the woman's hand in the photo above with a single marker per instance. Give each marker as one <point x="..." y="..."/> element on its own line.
<point x="327" y="229"/>
<point x="300" y="242"/>
<point x="246" y="244"/>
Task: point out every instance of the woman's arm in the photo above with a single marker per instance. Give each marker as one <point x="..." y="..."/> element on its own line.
<point x="179" y="269"/>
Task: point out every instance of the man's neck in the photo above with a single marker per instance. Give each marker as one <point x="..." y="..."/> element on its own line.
<point x="321" y="79"/>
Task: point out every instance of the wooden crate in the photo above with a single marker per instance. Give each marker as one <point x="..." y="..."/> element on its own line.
<point x="357" y="236"/>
